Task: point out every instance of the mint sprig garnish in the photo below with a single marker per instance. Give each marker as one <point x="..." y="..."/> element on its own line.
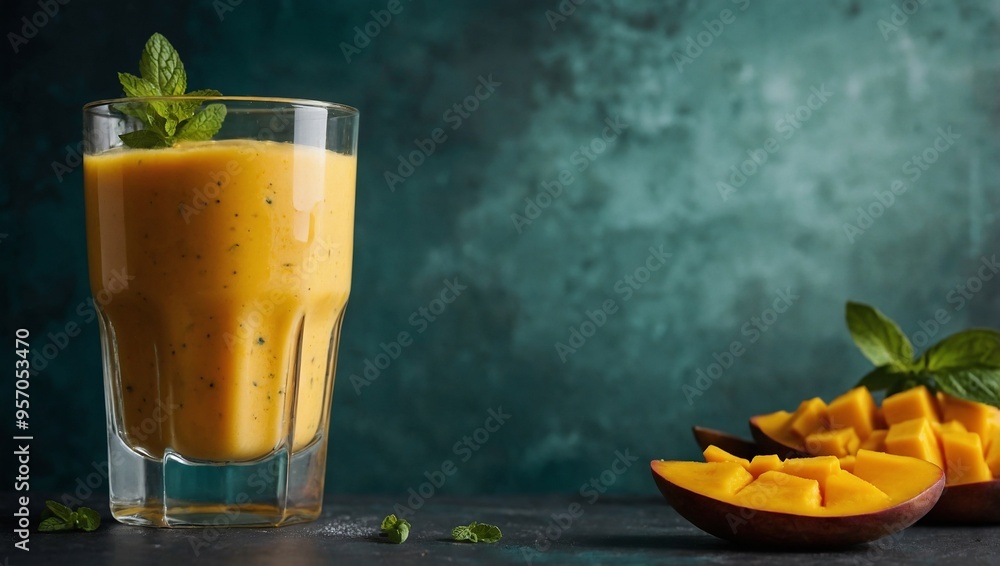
<point x="58" y="517"/>
<point x="396" y="529"/>
<point x="964" y="365"/>
<point x="166" y="122"/>
<point x="477" y="532"/>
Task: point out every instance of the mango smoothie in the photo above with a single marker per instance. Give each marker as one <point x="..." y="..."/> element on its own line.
<point x="237" y="256"/>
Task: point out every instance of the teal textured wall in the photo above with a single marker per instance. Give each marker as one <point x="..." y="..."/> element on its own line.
<point x="653" y="212"/>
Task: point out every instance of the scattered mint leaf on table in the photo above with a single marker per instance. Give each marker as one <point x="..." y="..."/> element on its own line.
<point x="396" y="529"/>
<point x="477" y="532"/>
<point x="57" y="517"/>
<point x="166" y="122"/>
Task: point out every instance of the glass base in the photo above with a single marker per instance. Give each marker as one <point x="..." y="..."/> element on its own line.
<point x="278" y="489"/>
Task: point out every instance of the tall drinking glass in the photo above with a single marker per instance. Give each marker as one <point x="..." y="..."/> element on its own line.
<point x="220" y="270"/>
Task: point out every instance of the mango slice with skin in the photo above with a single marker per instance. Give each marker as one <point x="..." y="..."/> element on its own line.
<point x="915" y="438"/>
<point x="854" y="409"/>
<point x="715" y="454"/>
<point x="842" y="442"/>
<point x="809" y="417"/>
<point x="963" y="453"/>
<point x="911" y="404"/>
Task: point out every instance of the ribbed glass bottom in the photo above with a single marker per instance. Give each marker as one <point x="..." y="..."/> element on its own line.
<point x="279" y="489"/>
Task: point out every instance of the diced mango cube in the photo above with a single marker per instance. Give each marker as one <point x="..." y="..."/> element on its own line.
<point x="715" y="454"/>
<point x="761" y="464"/>
<point x="809" y="417"/>
<point x="843" y="442"/>
<point x="875" y="441"/>
<point x="993" y="453"/>
<point x="915" y="438"/>
<point x="911" y="404"/>
<point x="784" y="493"/>
<point x="887" y="472"/>
<point x="963" y="454"/>
<point x="817" y="469"/>
<point x="719" y="480"/>
<point x="854" y="409"/>
<point x="847" y="463"/>
<point x="976" y="417"/>
<point x="845" y="493"/>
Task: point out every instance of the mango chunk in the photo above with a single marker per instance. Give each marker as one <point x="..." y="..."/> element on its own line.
<point x="854" y="409"/>
<point x="899" y="477"/>
<point x="715" y="454"/>
<point x="719" y="480"/>
<point x="975" y="417"/>
<point x="875" y="440"/>
<point x="963" y="454"/>
<point x="784" y="493"/>
<point x="911" y="404"/>
<point x="915" y="438"/>
<point x="846" y="493"/>
<point x="818" y="468"/>
<point x="847" y="463"/>
<point x="809" y="417"/>
<point x="993" y="453"/>
<point x="837" y="443"/>
<point x="761" y="464"/>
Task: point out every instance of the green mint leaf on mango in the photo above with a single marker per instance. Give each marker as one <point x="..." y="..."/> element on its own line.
<point x="881" y="378"/>
<point x="389" y="522"/>
<point x="980" y="384"/>
<point x="145" y="139"/>
<point x="54" y="508"/>
<point x="205" y="124"/>
<point x="878" y="337"/>
<point x="973" y="347"/>
<point x="87" y="519"/>
<point x="161" y="65"/>
<point x="185" y="109"/>
<point x="53" y="524"/>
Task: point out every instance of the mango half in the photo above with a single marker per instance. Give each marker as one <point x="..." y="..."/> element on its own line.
<point x="960" y="437"/>
<point x="800" y="503"/>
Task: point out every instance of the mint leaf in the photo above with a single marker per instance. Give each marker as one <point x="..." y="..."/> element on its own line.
<point x="57" y="509"/>
<point x="166" y="121"/>
<point x="980" y="384"/>
<point x="161" y="65"/>
<point x="205" y="124"/>
<point x="87" y="519"/>
<point x="881" y="378"/>
<point x="973" y="347"/>
<point x="477" y="532"/>
<point x="878" y="337"/>
<point x="396" y="529"/>
<point x="54" y="524"/>
<point x="145" y="139"/>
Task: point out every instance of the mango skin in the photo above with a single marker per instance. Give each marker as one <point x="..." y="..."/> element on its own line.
<point x="968" y="503"/>
<point x="971" y="503"/>
<point x="754" y="527"/>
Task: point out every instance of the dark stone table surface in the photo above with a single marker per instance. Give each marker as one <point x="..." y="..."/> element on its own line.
<point x="612" y="530"/>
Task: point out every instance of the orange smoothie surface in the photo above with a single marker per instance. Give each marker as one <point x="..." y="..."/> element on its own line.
<point x="237" y="257"/>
